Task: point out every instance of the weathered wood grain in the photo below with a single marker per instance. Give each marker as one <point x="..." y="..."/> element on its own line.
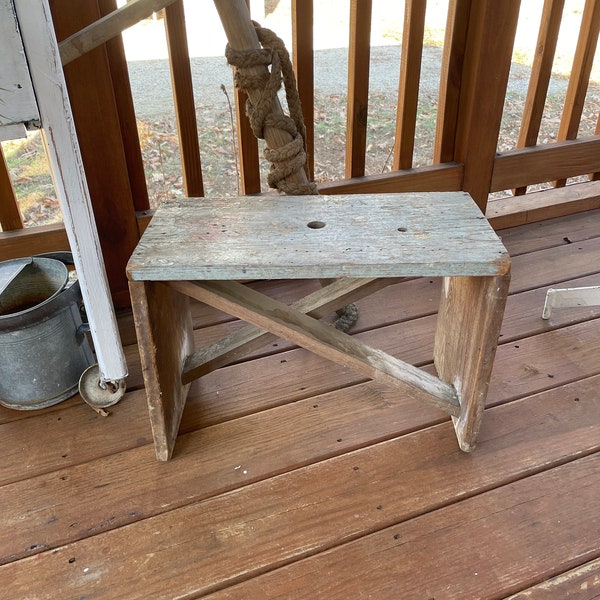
<point x="241" y="534"/>
<point x="84" y="480"/>
<point x="164" y="328"/>
<point x="323" y="340"/>
<point x="243" y="341"/>
<point x="581" y="583"/>
<point x="267" y="442"/>
<point x="429" y="553"/>
<point x="390" y="235"/>
<point x="468" y="326"/>
<point x="359" y="52"/>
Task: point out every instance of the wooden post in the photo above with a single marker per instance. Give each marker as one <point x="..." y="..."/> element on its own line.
<point x="241" y="36"/>
<point x="303" y="58"/>
<point x="485" y="76"/>
<point x="183" y="93"/>
<point x="164" y="328"/>
<point x="455" y="41"/>
<point x="580" y="75"/>
<point x="541" y="71"/>
<point x="408" y="90"/>
<point x="247" y="146"/>
<point x="126" y="113"/>
<point x="468" y="326"/>
<point x="10" y="215"/>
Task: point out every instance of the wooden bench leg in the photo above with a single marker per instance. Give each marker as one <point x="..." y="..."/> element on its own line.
<point x="468" y="326"/>
<point x="165" y="334"/>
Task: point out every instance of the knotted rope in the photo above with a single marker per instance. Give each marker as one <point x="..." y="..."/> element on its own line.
<point x="290" y="158"/>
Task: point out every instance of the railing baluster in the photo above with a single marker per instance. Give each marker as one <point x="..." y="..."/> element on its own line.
<point x="249" y="163"/>
<point x="541" y="72"/>
<point x="302" y="58"/>
<point x="596" y="175"/>
<point x="115" y="51"/>
<point x="10" y="215"/>
<point x="183" y="94"/>
<point x="358" y="86"/>
<point x="408" y="91"/>
<point x="580" y="74"/>
<point x="450" y="82"/>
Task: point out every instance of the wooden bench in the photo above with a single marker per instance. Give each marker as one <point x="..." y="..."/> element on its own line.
<point x="201" y="248"/>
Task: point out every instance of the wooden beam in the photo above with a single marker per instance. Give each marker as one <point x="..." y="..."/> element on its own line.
<point x="115" y="52"/>
<point x="436" y="178"/>
<point x="451" y="80"/>
<point x="10" y="215"/>
<point x="249" y="163"/>
<point x="546" y="204"/>
<point x="183" y="96"/>
<point x="302" y="57"/>
<point x="483" y="89"/>
<point x="408" y="90"/>
<point x="33" y="240"/>
<point x="100" y="31"/>
<point x="538" y="164"/>
<point x="539" y="80"/>
<point x="278" y="318"/>
<point x="251" y="338"/>
<point x="580" y="74"/>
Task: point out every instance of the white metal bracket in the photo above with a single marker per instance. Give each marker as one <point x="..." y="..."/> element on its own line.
<point x="570" y="297"/>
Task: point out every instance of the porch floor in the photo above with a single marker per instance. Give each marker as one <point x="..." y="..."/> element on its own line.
<point x="294" y="478"/>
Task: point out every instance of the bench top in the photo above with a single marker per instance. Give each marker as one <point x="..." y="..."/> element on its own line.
<point x="300" y="237"/>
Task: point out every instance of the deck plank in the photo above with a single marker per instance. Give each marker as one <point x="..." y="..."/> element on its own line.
<point x="581" y="583"/>
<point x="446" y="553"/>
<point x="264" y="446"/>
<point x="272" y="522"/>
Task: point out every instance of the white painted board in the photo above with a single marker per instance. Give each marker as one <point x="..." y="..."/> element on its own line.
<point x="35" y="22"/>
<point x="17" y="98"/>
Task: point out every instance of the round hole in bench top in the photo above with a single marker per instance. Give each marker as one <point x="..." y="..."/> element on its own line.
<point x="316" y="225"/>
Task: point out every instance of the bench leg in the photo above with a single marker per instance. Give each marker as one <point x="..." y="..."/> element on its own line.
<point x="165" y="335"/>
<point x="468" y="326"/>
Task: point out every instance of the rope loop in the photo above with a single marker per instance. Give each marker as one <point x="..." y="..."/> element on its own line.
<point x="251" y="74"/>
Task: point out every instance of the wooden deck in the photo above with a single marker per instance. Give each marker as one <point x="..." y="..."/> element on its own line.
<point x="292" y="478"/>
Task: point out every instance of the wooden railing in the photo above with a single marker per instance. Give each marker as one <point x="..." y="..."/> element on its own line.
<point x="477" y="54"/>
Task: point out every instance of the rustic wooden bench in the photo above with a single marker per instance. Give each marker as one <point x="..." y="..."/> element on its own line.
<point x="201" y="248"/>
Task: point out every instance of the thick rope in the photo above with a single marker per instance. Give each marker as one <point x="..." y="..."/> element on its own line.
<point x="290" y="158"/>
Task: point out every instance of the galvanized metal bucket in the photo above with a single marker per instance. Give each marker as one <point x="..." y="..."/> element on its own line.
<point x="43" y="346"/>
